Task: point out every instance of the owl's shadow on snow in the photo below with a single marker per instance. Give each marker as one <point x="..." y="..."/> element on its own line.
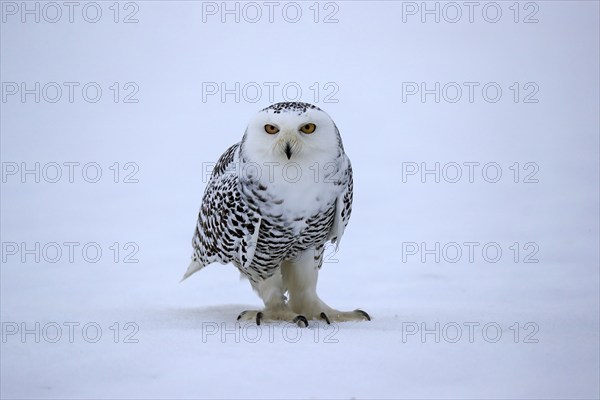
<point x="195" y="317"/>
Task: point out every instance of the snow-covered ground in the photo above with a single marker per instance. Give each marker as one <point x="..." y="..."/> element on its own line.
<point x="452" y="316"/>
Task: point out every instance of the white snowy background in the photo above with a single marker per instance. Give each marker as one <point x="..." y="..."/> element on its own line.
<point x="163" y="339"/>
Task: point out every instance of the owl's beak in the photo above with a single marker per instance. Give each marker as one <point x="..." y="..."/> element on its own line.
<point x="288" y="144"/>
<point x="288" y="150"/>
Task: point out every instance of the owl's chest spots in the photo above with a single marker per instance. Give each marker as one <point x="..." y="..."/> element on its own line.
<point x="294" y="199"/>
<point x="290" y="206"/>
<point x="290" y="195"/>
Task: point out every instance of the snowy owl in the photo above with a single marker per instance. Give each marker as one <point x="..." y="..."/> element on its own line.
<point x="273" y="201"/>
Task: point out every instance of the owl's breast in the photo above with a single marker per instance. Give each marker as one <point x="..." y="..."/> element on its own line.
<point x="290" y="196"/>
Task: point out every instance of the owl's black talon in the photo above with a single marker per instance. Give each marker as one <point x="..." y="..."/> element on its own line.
<point x="326" y="318"/>
<point x="301" y="318"/>
<point x="259" y="315"/>
<point x="364" y="314"/>
<point x="241" y="315"/>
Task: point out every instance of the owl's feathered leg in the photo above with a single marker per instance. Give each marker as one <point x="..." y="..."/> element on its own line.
<point x="300" y="277"/>
<point x="272" y="292"/>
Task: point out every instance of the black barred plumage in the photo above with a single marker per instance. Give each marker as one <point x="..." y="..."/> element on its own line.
<point x="235" y="204"/>
<point x="231" y="209"/>
<point x="293" y="106"/>
<point x="274" y="200"/>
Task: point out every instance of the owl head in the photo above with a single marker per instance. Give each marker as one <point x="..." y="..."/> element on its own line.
<point x="292" y="132"/>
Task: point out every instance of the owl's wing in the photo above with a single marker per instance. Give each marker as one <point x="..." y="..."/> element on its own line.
<point x="227" y="229"/>
<point x="343" y="206"/>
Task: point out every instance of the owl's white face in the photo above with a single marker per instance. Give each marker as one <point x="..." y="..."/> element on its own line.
<point x="292" y="132"/>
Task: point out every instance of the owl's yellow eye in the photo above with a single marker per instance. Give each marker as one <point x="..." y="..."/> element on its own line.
<point x="308" y="128"/>
<point x="271" y="129"/>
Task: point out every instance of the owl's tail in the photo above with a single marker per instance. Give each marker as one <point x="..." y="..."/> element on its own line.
<point x="194" y="266"/>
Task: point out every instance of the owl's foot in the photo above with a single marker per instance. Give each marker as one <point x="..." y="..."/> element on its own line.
<point x="318" y="310"/>
<point x="272" y="315"/>
<point x="332" y="315"/>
